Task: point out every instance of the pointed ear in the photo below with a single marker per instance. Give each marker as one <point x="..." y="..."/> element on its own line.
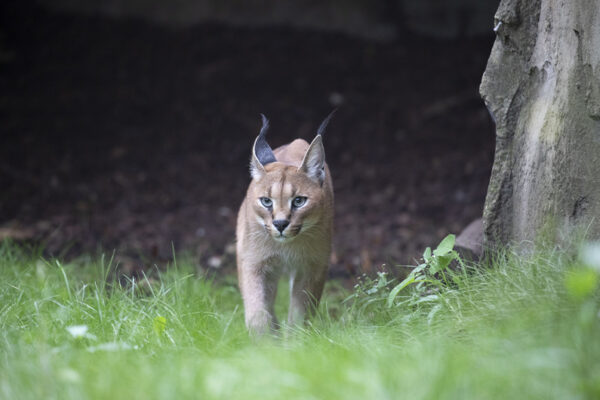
<point x="313" y="163"/>
<point x="261" y="152"/>
<point x="257" y="170"/>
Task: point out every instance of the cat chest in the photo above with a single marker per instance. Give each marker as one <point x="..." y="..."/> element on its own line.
<point x="290" y="260"/>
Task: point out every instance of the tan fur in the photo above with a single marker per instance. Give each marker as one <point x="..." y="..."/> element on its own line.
<point x="263" y="256"/>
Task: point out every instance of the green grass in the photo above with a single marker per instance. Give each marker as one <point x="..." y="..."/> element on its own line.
<point x="514" y="329"/>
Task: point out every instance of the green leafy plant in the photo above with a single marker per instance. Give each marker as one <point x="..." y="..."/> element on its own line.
<point x="425" y="279"/>
<point x="434" y="262"/>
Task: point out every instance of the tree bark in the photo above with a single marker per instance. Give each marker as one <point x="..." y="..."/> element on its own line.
<point x="542" y="87"/>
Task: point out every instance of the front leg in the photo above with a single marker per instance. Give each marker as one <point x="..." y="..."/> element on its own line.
<point x="306" y="288"/>
<point x="259" y="289"/>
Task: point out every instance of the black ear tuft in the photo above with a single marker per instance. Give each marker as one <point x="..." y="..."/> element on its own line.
<point x="262" y="150"/>
<point x="325" y="122"/>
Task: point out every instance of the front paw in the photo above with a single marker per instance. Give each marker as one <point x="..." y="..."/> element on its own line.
<point x="261" y="323"/>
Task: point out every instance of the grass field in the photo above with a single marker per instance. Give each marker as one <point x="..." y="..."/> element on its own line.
<point x="513" y="328"/>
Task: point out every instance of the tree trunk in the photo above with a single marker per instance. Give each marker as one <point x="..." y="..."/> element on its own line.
<point x="542" y="86"/>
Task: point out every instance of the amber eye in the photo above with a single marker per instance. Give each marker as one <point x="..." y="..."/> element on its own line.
<point x="298" y="201"/>
<point x="266" y="202"/>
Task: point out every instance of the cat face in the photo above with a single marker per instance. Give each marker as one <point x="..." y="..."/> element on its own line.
<point x="287" y="202"/>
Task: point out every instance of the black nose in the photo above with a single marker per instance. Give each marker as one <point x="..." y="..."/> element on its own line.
<point x="281" y="224"/>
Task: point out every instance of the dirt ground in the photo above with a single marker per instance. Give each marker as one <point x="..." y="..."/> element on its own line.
<point x="117" y="134"/>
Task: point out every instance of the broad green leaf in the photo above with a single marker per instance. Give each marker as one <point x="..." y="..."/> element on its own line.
<point x="445" y="246"/>
<point x="427" y="254"/>
<point x="442" y="263"/>
<point x="434" y="265"/>
<point x="409" y="279"/>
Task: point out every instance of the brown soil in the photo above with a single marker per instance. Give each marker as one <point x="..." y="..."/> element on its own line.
<point x="128" y="136"/>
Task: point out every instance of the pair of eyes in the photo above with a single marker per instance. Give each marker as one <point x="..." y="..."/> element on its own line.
<point x="297" y="202"/>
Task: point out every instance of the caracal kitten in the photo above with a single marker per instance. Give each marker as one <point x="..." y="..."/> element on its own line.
<point x="284" y="226"/>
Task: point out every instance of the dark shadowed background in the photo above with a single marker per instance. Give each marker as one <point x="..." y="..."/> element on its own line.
<point x="127" y="125"/>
